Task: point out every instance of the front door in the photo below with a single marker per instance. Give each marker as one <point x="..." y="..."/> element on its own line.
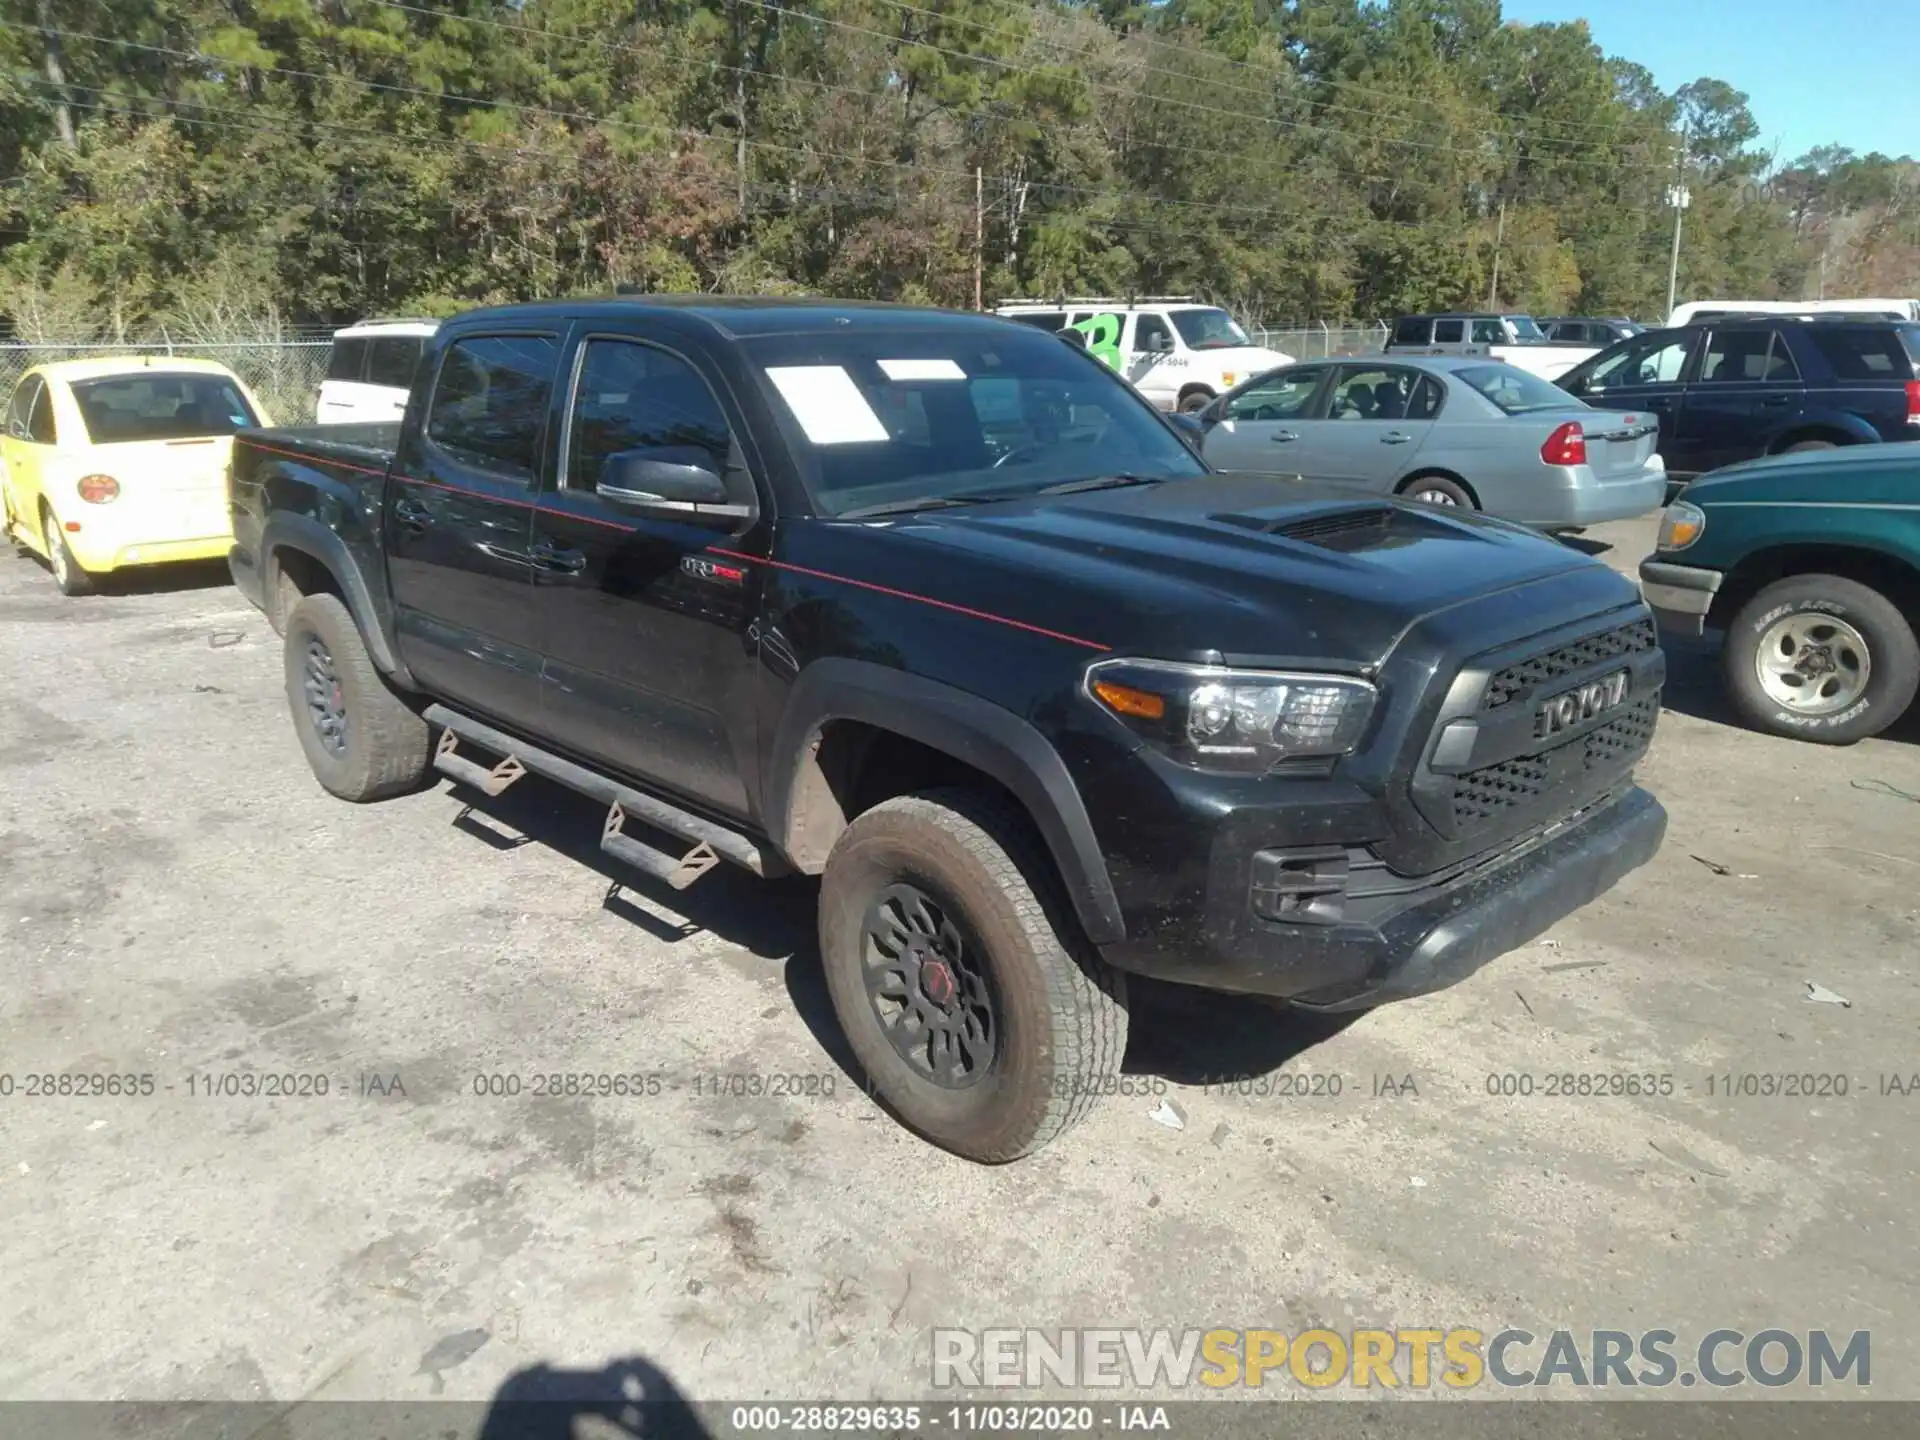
<point x="1376" y="419"/>
<point x="646" y="638"/>
<point x="458" y="521"/>
<point x="1152" y="365"/>
<point x="1747" y="388"/>
<point x="1263" y="428"/>
<point x="27" y="443"/>
<point x="1648" y="376"/>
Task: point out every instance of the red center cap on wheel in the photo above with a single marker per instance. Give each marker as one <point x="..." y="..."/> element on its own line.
<point x="936" y="978"/>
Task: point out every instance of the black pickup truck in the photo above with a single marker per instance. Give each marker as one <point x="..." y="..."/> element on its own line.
<point x="937" y="608"/>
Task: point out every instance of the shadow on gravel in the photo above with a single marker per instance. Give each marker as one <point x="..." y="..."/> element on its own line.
<point x="1181" y="1034"/>
<point x="631" y="1397"/>
<point x="148" y="579"/>
<point x="1586" y="544"/>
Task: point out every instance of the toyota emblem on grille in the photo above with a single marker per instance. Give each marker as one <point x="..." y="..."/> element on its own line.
<point x="1570" y="707"/>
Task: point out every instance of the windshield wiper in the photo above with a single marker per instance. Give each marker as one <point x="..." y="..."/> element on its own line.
<point x="924" y="502"/>
<point x="1098" y="482"/>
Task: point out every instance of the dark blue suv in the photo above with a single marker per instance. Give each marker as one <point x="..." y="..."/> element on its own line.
<point x="1760" y="386"/>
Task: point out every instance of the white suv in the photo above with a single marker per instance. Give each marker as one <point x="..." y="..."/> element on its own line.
<point x="370" y="370"/>
<point x="1178" y="354"/>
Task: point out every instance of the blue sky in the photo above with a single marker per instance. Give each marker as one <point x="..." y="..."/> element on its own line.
<point x="1815" y="71"/>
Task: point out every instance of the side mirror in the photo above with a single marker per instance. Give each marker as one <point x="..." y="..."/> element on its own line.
<point x="1161" y="345"/>
<point x="1189" y="427"/>
<point x="668" y="479"/>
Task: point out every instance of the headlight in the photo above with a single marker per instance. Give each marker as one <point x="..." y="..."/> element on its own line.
<point x="1681" y="526"/>
<point x="1245" y="721"/>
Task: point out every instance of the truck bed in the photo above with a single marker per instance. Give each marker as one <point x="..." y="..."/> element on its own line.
<point x="371" y="443"/>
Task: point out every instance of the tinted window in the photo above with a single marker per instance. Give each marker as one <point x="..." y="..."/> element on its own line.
<point x="1651" y="362"/>
<point x="961" y="414"/>
<point x="348" y="361"/>
<point x="1735" y="355"/>
<point x="1489" y="332"/>
<point x="1524" y="327"/>
<point x="1412" y="330"/>
<point x="1427" y="399"/>
<point x="1371" y="394"/>
<point x="1910" y="337"/>
<point x="392" y="359"/>
<point x="155" y="405"/>
<point x="1150" y="334"/>
<point x="633" y="397"/>
<point x="1864" y="354"/>
<point x="490" y="400"/>
<point x="1514" y="390"/>
<point x="1043" y="319"/>
<point x="20" y="411"/>
<point x="1283" y="395"/>
<point x="1567" y="330"/>
<point x="1449" y="332"/>
<point x="1207" y="329"/>
<point x="40" y="428"/>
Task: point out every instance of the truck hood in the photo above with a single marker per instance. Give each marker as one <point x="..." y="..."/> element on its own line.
<point x="1217" y="568"/>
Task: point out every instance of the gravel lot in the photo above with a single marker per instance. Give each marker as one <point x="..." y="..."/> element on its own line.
<point x="179" y="899"/>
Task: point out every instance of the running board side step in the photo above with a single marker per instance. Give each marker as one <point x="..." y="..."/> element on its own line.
<point x="711" y="842"/>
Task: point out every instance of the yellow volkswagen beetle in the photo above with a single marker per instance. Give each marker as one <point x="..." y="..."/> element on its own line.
<point x="122" y="461"/>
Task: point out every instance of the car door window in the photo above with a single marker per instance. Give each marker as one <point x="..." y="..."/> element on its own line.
<point x="20" y="411"/>
<point x="633" y="396"/>
<point x="1370" y="393"/>
<point x="1449" y="332"/>
<point x="1489" y="332"/>
<point x="1428" y="396"/>
<point x="1863" y="354"/>
<point x="348" y="360"/>
<point x="490" y="401"/>
<point x="1412" y="330"/>
<point x="1285" y="395"/>
<point x="1780" y="362"/>
<point x="1655" y="362"/>
<point x="391" y="360"/>
<point x="40" y="427"/>
<point x="1735" y="356"/>
<point x="1151" y="335"/>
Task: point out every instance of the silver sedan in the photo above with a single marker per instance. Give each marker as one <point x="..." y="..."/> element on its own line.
<point x="1450" y="430"/>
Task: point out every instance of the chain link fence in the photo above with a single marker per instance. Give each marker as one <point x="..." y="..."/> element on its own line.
<point x="283" y="375"/>
<point x="1317" y="342"/>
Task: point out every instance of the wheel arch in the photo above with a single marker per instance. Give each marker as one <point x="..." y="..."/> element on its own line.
<point x="317" y="559"/>
<point x="1896" y="578"/>
<point x="825" y="763"/>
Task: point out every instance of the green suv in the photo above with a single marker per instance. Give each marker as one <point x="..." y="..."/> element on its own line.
<point x="1811" y="565"/>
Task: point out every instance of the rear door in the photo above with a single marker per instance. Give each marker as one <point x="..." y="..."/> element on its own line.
<point x="1646" y="375"/>
<point x="1262" y="427"/>
<point x="459" y="518"/>
<point x="1746" y="389"/>
<point x="391" y="362"/>
<point x="648" y="668"/>
<point x="338" y="401"/>
<point x="1372" y="427"/>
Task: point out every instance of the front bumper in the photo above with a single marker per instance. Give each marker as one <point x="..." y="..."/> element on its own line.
<point x="1680" y="595"/>
<point x="1418" y="939"/>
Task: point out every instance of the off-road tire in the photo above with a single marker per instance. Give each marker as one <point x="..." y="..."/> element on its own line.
<point x="1893" y="673"/>
<point x="386" y="743"/>
<point x="1802" y="445"/>
<point x="67" y="573"/>
<point x="1059" y="1011"/>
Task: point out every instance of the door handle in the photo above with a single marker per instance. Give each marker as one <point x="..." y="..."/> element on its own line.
<point x="412" y="514"/>
<point x="1394" y="437"/>
<point x="1775" y="400"/>
<point x="549" y="556"/>
<point x="1280" y="436"/>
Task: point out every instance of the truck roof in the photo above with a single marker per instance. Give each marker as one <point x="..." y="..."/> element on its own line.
<point x="742" y="316"/>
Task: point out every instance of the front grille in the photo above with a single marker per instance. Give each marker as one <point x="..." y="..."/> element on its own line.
<point x="1628" y="639"/>
<point x="1481" y="797"/>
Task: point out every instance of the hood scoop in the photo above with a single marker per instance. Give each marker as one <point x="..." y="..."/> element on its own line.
<point x="1354" y="528"/>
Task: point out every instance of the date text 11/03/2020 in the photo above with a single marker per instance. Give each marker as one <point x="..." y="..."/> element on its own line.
<point x="392" y="1084"/>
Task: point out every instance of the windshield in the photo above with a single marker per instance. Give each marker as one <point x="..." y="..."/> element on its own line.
<point x="157" y="405"/>
<point x="958" y="415"/>
<point x="1208" y="329"/>
<point x="1524" y="327"/>
<point x="1514" y="390"/>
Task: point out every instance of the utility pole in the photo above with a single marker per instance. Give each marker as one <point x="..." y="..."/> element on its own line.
<point x="1499" y="235"/>
<point x="979" y="234"/>
<point x="1679" y="198"/>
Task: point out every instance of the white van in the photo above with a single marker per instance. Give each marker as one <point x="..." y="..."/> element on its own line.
<point x="370" y="370"/>
<point x="1176" y="353"/>
<point x="1703" y="312"/>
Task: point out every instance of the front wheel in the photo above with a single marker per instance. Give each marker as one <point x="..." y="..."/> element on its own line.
<point x="1821" y="658"/>
<point x="983" y="1022"/>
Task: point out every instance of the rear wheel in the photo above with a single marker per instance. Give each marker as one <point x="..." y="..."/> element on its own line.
<point x="984" y="1022"/>
<point x="361" y="739"/>
<point x="67" y="573"/>
<point x="1194" y="401"/>
<point x="1800" y="445"/>
<point x="1438" y="490"/>
<point x="1822" y="658"/>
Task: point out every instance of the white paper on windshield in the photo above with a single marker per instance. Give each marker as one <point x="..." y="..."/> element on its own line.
<point x="921" y="370"/>
<point x="828" y="405"/>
